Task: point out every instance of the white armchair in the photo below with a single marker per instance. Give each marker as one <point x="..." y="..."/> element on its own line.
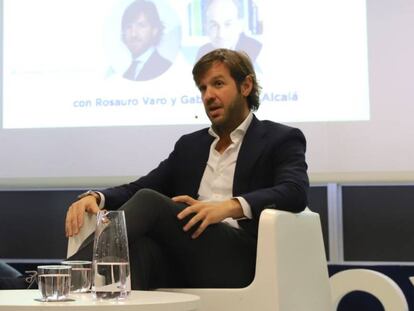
<point x="291" y="268"/>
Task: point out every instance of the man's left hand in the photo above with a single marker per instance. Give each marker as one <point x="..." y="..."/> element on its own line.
<point x="207" y="213"/>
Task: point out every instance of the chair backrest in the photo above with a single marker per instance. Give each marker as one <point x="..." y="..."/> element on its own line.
<point x="291" y="252"/>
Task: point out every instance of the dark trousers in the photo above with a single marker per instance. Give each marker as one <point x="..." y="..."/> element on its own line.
<point x="163" y="255"/>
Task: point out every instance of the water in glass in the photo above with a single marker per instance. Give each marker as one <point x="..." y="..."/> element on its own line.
<point x="54" y="282"/>
<point x="111" y="276"/>
<point x="111" y="280"/>
<point x="81" y="275"/>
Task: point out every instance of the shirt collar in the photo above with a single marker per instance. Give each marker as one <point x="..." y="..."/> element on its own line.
<point x="237" y="134"/>
<point x="145" y="56"/>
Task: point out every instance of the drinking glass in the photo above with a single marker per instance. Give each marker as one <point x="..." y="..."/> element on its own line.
<point x="54" y="282"/>
<point x="80" y="275"/>
<point x="110" y="261"/>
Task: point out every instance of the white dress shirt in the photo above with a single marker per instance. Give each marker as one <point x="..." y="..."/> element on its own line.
<point x="217" y="181"/>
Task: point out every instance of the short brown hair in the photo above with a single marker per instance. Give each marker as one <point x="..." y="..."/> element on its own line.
<point x="149" y="10"/>
<point x="240" y="67"/>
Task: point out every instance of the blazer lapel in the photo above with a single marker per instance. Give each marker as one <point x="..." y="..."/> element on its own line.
<point x="253" y="143"/>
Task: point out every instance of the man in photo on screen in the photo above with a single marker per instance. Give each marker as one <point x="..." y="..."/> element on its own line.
<point x="142" y="31"/>
<point x="224" y="27"/>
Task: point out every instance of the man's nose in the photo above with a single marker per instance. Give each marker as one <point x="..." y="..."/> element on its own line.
<point x="133" y="31"/>
<point x="208" y="95"/>
<point x="219" y="31"/>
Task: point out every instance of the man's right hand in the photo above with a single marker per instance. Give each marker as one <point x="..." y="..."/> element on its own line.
<point x="76" y="212"/>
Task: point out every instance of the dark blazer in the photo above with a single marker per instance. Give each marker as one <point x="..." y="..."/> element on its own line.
<point x="270" y="170"/>
<point x="155" y="66"/>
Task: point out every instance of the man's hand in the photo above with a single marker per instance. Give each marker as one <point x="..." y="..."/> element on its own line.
<point x="75" y="214"/>
<point x="207" y="212"/>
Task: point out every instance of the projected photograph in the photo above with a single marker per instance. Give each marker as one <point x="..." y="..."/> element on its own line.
<point x="128" y="62"/>
<point x="231" y="24"/>
<point x="141" y="39"/>
<point x="142" y="30"/>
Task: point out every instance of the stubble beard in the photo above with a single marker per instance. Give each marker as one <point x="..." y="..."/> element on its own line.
<point x="231" y="118"/>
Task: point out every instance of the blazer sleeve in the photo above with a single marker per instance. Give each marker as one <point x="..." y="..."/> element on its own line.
<point x="279" y="178"/>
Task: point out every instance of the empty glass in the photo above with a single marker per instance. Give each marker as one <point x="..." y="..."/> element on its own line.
<point x="80" y="275"/>
<point x="54" y="282"/>
<point x="110" y="263"/>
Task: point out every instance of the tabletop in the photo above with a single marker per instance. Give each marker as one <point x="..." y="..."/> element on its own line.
<point x="14" y="300"/>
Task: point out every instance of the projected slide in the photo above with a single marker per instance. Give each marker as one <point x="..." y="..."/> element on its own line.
<point x="84" y="63"/>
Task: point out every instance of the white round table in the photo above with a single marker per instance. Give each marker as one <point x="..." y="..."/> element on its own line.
<point x="16" y="300"/>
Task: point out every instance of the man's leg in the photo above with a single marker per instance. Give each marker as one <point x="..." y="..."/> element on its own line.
<point x="163" y="255"/>
<point x="222" y="256"/>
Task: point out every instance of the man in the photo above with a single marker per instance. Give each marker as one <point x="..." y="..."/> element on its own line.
<point x="141" y="33"/>
<point x="223" y="25"/>
<point x="219" y="180"/>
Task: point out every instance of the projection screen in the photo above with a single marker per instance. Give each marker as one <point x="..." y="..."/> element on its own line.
<point x="70" y="116"/>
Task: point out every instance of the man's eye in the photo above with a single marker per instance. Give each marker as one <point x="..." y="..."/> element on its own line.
<point x="219" y="83"/>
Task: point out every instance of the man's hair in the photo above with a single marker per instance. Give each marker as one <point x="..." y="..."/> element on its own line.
<point x="150" y="11"/>
<point x="239" y="65"/>
<point x="236" y="3"/>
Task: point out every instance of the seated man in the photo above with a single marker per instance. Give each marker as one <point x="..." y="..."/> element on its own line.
<point x="193" y="220"/>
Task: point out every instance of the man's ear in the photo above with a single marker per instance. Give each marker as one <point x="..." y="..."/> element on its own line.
<point x="247" y="86"/>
